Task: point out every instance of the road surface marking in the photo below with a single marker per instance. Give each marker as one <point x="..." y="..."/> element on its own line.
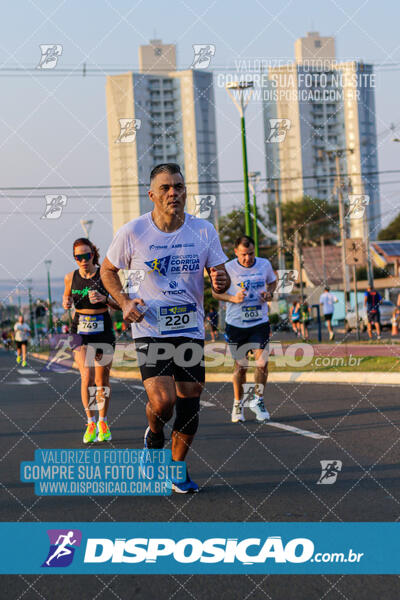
<point x="206" y="403"/>
<point x="315" y="436"/>
<point x="26" y="381"/>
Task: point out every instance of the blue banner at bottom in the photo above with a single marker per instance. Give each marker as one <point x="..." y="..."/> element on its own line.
<point x="200" y="548"/>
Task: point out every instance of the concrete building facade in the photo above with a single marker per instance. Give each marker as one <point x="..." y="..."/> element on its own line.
<point x="324" y="105"/>
<point x="161" y="115"/>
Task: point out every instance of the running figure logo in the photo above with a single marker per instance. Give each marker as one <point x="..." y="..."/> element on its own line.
<point x="159" y="265"/>
<point x="132" y="280"/>
<point x="50" y="55"/>
<point x="127" y="130"/>
<point x="61" y="352"/>
<point x="204" y="205"/>
<point x="54" y="206"/>
<point x="278" y="130"/>
<point x="203" y="54"/>
<point x="357" y="204"/>
<point x="97" y="396"/>
<point x="250" y="391"/>
<point x="329" y="471"/>
<point x="286" y="280"/>
<point x="62" y="547"/>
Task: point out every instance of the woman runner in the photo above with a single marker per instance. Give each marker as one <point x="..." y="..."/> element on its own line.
<point x="92" y="322"/>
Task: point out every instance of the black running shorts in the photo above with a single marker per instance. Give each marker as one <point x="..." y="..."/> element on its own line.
<point x="179" y="357"/>
<point x="257" y="335"/>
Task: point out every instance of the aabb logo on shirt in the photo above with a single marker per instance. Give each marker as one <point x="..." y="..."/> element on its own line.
<point x="175" y="265"/>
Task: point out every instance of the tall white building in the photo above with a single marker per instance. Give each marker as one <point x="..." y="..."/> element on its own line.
<point x="320" y="104"/>
<point x="160" y="115"/>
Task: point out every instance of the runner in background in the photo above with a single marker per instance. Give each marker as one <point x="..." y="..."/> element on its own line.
<point x="327" y="301"/>
<point x="92" y="322"/>
<point x="253" y="283"/>
<point x="305" y="318"/>
<point x="212" y="317"/>
<point x="294" y="316"/>
<point x="22" y="333"/>
<point x="372" y="300"/>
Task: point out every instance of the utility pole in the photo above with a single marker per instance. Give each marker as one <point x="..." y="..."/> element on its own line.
<point x="48" y="265"/>
<point x="370" y="269"/>
<point x="337" y="154"/>
<point x="299" y="254"/>
<point x="323" y="259"/>
<point x="31" y="309"/>
<point x="279" y="228"/>
<point x="343" y="233"/>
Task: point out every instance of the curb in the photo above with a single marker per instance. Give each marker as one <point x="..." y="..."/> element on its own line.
<point x="370" y="377"/>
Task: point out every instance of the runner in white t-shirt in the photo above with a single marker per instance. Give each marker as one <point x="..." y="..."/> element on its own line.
<point x="164" y="254"/>
<point x="327" y="301"/>
<point x="22" y="333"/>
<point x="253" y="283"/>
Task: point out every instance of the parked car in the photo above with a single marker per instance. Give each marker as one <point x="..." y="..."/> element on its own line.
<point x="386" y="309"/>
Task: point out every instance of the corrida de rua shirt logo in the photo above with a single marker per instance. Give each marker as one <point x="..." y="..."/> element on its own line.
<point x="175" y="264"/>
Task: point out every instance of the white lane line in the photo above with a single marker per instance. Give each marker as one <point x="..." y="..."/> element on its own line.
<point x="315" y="436"/>
<point x="26" y="371"/>
<point x="206" y="403"/>
<point x="26" y="381"/>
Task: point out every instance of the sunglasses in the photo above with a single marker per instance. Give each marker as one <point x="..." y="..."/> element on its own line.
<point x="81" y="257"/>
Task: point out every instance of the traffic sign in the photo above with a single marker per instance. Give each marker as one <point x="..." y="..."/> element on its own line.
<point x="355" y="252"/>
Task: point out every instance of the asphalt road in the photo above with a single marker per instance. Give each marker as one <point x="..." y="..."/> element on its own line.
<point x="247" y="472"/>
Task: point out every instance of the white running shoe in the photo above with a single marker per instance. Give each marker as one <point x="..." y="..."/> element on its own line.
<point x="258" y="408"/>
<point x="237" y="412"/>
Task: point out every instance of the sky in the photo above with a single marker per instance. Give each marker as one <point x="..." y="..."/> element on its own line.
<point x="53" y="129"/>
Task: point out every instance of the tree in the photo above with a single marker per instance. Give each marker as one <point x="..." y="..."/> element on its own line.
<point x="209" y="300"/>
<point x="312" y="218"/>
<point x="232" y="226"/>
<point x="392" y="231"/>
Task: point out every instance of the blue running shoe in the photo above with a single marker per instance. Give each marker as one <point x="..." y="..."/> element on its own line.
<point x="185" y="487"/>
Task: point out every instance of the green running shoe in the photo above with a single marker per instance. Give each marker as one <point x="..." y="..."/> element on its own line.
<point x="90" y="433"/>
<point x="104" y="433"/>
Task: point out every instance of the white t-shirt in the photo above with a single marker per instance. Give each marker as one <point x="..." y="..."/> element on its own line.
<point x="252" y="311"/>
<point x="22" y="331"/>
<point x="168" y="273"/>
<point x="327" y="300"/>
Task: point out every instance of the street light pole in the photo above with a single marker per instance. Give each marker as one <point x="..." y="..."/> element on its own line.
<point x="254" y="178"/>
<point x="240" y="87"/>
<point x="48" y="265"/>
<point x="29" y="281"/>
<point x="86" y="226"/>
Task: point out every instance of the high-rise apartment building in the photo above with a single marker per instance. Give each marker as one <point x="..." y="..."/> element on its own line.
<point x="315" y="105"/>
<point x="160" y="115"/>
